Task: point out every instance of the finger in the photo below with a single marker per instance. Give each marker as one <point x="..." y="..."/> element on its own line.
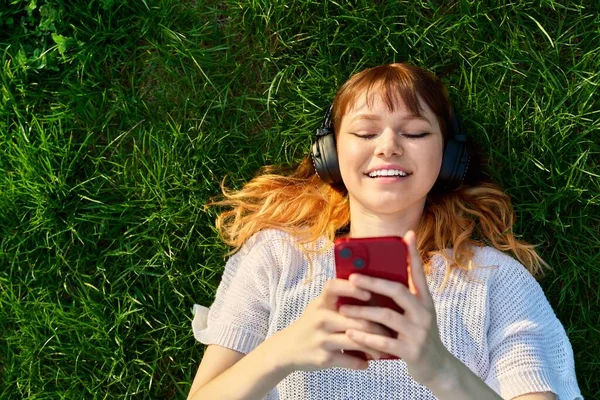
<point x="347" y="361"/>
<point x="336" y="288"/>
<point x="377" y="328"/>
<point x="382" y="316"/>
<point x="394" y="290"/>
<point x="417" y="279"/>
<point x="340" y="341"/>
<point x="383" y="344"/>
<point x="333" y="321"/>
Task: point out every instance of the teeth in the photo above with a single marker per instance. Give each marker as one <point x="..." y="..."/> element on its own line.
<point x="387" y="172"/>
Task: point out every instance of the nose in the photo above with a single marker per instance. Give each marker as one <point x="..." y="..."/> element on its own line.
<point x="388" y="143"/>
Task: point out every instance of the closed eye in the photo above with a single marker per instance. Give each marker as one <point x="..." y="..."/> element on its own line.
<point x="367" y="137"/>
<point x="416" y="136"/>
<point x="411" y="136"/>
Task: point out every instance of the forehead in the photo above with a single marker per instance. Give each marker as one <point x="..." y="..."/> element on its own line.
<point x="377" y="103"/>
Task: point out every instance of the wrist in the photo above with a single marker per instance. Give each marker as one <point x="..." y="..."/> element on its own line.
<point x="457" y="381"/>
<point x="448" y="380"/>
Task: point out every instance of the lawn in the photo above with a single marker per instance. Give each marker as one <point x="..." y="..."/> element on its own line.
<point x="119" y="120"/>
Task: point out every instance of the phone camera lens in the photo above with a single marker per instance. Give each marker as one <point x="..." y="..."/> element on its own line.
<point x="345" y="253"/>
<point x="359" y="263"/>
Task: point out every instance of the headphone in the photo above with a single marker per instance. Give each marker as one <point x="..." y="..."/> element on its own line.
<point x="455" y="161"/>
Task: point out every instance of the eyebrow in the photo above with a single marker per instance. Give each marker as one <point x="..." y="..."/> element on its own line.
<point x="375" y="117"/>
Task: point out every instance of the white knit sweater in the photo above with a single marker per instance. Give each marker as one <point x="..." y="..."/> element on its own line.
<point x="495" y="319"/>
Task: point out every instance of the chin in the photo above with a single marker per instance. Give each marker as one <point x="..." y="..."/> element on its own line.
<point x="387" y="208"/>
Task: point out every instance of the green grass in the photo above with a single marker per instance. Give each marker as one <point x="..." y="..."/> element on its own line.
<point x="118" y="119"/>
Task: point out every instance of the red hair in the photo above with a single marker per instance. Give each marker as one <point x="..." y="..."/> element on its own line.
<point x="298" y="202"/>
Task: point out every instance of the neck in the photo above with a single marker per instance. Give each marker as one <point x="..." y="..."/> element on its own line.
<point x="367" y="224"/>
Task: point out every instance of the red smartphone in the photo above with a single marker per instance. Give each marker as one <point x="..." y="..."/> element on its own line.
<point x="380" y="257"/>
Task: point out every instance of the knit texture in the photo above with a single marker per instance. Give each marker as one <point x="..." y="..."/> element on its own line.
<point x="494" y="318"/>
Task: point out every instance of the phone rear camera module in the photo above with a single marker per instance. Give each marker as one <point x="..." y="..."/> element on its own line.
<point x="359" y="263"/>
<point x="345" y="253"/>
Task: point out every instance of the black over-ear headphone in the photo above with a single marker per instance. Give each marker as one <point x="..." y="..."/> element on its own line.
<point x="455" y="161"/>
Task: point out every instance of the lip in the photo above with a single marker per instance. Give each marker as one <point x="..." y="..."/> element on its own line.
<point x="388" y="166"/>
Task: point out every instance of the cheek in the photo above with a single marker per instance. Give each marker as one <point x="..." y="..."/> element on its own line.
<point x="342" y="156"/>
<point x="433" y="159"/>
<point x="437" y="148"/>
<point x="438" y="159"/>
<point x="348" y="155"/>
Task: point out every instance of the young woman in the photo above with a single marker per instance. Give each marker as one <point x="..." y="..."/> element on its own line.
<point x="390" y="160"/>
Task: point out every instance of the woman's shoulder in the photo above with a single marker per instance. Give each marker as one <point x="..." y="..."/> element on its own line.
<point x="488" y="255"/>
<point x="488" y="265"/>
<point x="498" y="275"/>
<point x="267" y="236"/>
<point x="263" y="238"/>
<point x="278" y="241"/>
<point x="273" y="237"/>
<point x="503" y="268"/>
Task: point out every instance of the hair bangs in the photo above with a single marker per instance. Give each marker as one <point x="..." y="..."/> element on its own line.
<point x="394" y="84"/>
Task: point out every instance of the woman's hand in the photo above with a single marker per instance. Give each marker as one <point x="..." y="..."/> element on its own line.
<point x="316" y="339"/>
<point x="418" y="342"/>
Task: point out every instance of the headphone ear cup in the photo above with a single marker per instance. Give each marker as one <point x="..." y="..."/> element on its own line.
<point x="455" y="164"/>
<point x="325" y="160"/>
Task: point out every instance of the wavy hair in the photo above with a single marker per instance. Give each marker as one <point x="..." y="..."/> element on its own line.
<point x="297" y="201"/>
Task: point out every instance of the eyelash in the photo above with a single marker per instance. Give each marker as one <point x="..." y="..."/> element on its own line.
<point x="417" y="136"/>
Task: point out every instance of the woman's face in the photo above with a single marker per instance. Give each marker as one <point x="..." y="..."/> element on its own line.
<point x="406" y="146"/>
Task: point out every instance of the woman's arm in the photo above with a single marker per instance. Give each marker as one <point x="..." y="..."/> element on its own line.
<point x="252" y="377"/>
<point x="312" y="342"/>
<point x="536" y="396"/>
<point x="461" y="383"/>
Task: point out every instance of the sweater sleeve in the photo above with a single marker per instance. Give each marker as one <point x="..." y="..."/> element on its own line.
<point x="239" y="316"/>
<point x="528" y="346"/>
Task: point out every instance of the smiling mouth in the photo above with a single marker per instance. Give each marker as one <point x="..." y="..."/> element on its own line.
<point x="399" y="175"/>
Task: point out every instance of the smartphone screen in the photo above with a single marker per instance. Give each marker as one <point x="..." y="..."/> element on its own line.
<point x="380" y="257"/>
